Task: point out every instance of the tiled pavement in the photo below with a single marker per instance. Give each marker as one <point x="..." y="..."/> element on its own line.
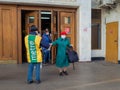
<point x="97" y="75"/>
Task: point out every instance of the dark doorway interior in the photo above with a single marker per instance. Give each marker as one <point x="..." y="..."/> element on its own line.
<point x="24" y="33"/>
<point x="46" y="23"/>
<point x="24" y="58"/>
<point x="45" y="20"/>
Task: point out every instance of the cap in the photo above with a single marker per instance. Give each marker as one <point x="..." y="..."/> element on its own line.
<point x="63" y="33"/>
<point x="33" y="28"/>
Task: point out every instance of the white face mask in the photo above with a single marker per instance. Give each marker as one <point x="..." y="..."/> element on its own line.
<point x="47" y="33"/>
<point x="63" y="36"/>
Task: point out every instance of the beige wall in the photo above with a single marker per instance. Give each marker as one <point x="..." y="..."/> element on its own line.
<point x="95" y="3"/>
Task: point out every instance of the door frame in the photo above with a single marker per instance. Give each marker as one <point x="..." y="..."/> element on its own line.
<point x="19" y="11"/>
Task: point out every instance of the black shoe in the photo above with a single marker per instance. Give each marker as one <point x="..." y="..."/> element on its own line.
<point x="65" y="72"/>
<point x="61" y="73"/>
<point x="38" y="81"/>
<point x="29" y="82"/>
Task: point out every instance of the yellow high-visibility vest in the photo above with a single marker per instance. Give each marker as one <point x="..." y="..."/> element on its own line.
<point x="32" y="44"/>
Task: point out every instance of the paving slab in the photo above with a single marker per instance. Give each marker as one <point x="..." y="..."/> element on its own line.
<point x="97" y="75"/>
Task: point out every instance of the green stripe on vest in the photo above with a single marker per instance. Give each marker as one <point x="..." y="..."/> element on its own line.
<point x="32" y="49"/>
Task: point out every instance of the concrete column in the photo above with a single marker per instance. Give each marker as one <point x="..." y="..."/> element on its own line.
<point x="84" y="30"/>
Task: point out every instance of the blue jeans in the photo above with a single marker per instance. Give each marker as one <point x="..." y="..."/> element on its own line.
<point x="46" y="55"/>
<point x="31" y="67"/>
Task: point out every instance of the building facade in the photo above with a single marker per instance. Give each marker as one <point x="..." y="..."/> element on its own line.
<point x="110" y="37"/>
<point x="16" y="17"/>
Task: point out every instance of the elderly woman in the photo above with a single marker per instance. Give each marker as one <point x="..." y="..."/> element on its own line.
<point x="62" y="59"/>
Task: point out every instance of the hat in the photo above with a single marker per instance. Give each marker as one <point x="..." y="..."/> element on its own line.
<point x="63" y="33"/>
<point x="33" y="28"/>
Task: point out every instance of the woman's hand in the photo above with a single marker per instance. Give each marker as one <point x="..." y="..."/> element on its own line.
<point x="50" y="46"/>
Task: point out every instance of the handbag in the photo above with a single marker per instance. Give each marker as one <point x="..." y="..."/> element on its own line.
<point x="72" y="55"/>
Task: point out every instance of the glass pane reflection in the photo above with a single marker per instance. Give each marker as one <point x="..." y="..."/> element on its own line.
<point x="67" y="20"/>
<point x="31" y="19"/>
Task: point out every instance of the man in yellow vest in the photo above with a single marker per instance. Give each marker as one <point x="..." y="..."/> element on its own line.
<point x="34" y="55"/>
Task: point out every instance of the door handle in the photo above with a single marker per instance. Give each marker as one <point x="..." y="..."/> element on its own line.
<point x="115" y="41"/>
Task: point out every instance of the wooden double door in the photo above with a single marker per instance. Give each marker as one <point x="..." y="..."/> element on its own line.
<point x="8" y="33"/>
<point x="59" y="21"/>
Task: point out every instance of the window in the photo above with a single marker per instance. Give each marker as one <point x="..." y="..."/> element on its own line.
<point x="31" y="19"/>
<point x="96" y="36"/>
<point x="96" y="29"/>
<point x="66" y="20"/>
